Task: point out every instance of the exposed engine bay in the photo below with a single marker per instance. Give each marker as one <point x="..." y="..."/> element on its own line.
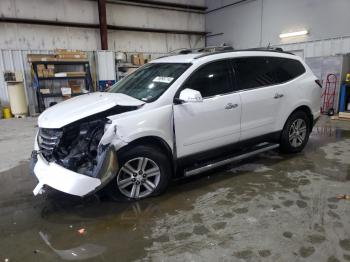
<point x="79" y="145"/>
<point x="76" y="146"/>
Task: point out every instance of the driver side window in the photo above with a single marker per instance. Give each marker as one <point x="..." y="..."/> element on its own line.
<point x="212" y="79"/>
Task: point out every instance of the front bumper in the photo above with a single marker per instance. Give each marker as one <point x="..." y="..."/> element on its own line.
<point x="62" y="179"/>
<point x="70" y="182"/>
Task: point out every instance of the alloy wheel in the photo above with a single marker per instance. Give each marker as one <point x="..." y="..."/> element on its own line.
<point x="138" y="177"/>
<point x="297" y="132"/>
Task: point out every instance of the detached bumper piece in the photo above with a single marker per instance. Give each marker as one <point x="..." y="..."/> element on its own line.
<point x="70" y="182"/>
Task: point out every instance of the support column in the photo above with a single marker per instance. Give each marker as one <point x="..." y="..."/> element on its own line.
<point x="103" y="24"/>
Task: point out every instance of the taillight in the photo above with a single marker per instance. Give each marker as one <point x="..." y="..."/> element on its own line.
<point x="318" y="82"/>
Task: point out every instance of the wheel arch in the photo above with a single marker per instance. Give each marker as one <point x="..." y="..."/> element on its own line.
<point x="154" y="141"/>
<point x="306" y="109"/>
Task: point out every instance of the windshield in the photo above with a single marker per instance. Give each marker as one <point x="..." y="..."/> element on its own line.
<point x="151" y="81"/>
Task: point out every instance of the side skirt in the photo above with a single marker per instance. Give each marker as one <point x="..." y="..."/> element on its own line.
<point x="211" y="165"/>
<point x="225" y="152"/>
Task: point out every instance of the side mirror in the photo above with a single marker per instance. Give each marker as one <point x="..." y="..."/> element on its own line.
<point x="189" y="96"/>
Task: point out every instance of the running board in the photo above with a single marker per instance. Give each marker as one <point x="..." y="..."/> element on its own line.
<point x="262" y="148"/>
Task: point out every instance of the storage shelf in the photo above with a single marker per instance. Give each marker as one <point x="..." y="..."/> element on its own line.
<point x="64" y="62"/>
<point x="61" y="78"/>
<point x="59" y="62"/>
<point x="60" y="95"/>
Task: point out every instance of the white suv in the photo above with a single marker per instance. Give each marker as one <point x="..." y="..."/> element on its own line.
<point x="176" y="116"/>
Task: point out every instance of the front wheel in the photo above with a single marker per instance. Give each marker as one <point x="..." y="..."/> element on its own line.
<point x="295" y="133"/>
<point x="144" y="171"/>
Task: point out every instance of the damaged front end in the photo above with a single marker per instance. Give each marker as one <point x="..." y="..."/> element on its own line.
<point x="73" y="159"/>
<point x="75" y="147"/>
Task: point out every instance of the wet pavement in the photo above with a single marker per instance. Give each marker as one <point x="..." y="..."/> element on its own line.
<point x="269" y="208"/>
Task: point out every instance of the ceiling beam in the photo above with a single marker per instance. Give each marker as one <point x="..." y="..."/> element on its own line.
<point x="228" y="5"/>
<point x="155" y="30"/>
<point x="161" y="4"/>
<point x="96" y="26"/>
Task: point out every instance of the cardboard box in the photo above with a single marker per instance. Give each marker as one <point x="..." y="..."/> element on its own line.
<point x="135" y="60"/>
<point x="45" y="91"/>
<point x="76" y="89"/>
<point x="46" y="73"/>
<point x="141" y="59"/>
<point x="72" y="56"/>
<point x="40" y="57"/>
<point x="63" y="55"/>
<point x="82" y="73"/>
<point x="51" y="70"/>
<point x="69" y="51"/>
<point x="75" y="86"/>
<point x="40" y="70"/>
<point x="66" y="91"/>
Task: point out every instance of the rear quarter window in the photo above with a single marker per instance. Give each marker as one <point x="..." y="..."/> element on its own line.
<point x="255" y="72"/>
<point x="288" y="69"/>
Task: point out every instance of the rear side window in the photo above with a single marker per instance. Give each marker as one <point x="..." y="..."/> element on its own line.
<point x="212" y="79"/>
<point x="254" y="72"/>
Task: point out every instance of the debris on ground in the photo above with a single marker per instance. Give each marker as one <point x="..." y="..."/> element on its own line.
<point x="7" y="260"/>
<point x="82" y="231"/>
<point x="347" y="197"/>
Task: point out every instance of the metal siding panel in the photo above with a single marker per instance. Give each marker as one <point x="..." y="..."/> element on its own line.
<point x="327" y="47"/>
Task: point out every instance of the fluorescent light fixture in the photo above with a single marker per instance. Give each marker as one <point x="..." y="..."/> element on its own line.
<point x="292" y="34"/>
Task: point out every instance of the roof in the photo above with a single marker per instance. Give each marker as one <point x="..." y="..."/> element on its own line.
<point x="198" y="57"/>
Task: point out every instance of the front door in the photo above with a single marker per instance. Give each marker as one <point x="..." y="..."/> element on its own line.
<point x="215" y="122"/>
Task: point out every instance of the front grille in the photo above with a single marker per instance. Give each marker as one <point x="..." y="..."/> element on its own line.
<point x="48" y="140"/>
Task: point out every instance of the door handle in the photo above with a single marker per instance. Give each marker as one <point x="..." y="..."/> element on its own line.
<point x="277" y="95"/>
<point x="231" y="106"/>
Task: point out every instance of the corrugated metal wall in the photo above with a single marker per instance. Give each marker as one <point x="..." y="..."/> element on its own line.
<point x="327" y="47"/>
<point x="16" y="60"/>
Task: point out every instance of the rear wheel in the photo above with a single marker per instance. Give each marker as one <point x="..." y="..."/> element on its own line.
<point x="295" y="133"/>
<point x="144" y="171"/>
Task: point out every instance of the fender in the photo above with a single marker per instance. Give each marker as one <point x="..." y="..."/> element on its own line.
<point x="305" y="103"/>
<point x="156" y="122"/>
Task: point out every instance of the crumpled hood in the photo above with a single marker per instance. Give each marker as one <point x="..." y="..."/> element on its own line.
<point x="83" y="106"/>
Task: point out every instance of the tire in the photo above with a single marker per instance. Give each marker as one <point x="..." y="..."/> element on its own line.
<point x="295" y="133"/>
<point x="145" y="171"/>
<point x="330" y="112"/>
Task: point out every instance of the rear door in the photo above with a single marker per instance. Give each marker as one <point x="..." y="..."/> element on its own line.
<point x="215" y="122"/>
<point x="261" y="94"/>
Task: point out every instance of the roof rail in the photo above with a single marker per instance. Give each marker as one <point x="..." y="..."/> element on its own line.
<point x="214" y="50"/>
<point x="184" y="51"/>
<point x="265" y="49"/>
<point x="204" y="50"/>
